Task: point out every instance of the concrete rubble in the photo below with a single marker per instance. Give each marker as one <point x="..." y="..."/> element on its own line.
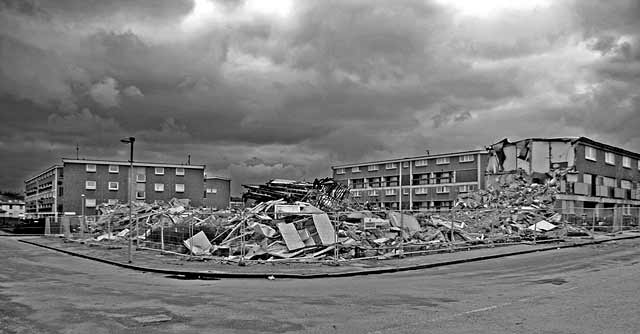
<point x="292" y="220"/>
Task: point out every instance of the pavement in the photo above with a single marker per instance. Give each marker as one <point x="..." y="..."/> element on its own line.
<point x="588" y="290"/>
<point x="152" y="261"/>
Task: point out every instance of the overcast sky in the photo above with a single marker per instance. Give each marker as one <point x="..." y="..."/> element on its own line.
<point x="276" y="88"/>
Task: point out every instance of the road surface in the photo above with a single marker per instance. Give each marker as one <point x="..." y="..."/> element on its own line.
<point x="593" y="289"/>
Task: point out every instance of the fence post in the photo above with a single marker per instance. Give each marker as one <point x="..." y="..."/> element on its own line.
<point x="490" y="233"/>
<point x="593" y="224"/>
<point x="161" y="235"/>
<point x="335" y="239"/>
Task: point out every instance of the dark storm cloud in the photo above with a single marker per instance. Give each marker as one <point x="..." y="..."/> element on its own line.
<point x="257" y="91"/>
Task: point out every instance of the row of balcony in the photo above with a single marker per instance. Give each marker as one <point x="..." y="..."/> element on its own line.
<point x="395" y="183"/>
<point x="587" y="189"/>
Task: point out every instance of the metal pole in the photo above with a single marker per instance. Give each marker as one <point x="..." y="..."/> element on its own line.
<point x="130" y="141"/>
<point x="161" y="235"/>
<point x="83" y="220"/>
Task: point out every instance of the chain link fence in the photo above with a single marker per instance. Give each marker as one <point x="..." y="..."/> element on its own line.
<point x="356" y="234"/>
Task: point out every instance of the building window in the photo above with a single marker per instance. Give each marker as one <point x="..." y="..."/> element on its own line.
<point x="463" y="189"/>
<point x="587" y="178"/>
<point x="442" y="190"/>
<point x="422" y="191"/>
<point x="421" y="163"/>
<point x="113" y="185"/>
<point x="159" y="187"/>
<point x="590" y="153"/>
<point x="638" y="163"/>
<point x="372" y="168"/>
<point x="626" y="209"/>
<point x="442" y="161"/>
<point x="339" y="170"/>
<point x="180" y="171"/>
<point x="357" y="194"/>
<point x="179" y="187"/>
<point x="112" y="201"/>
<point x="405" y="191"/>
<point x="91" y="168"/>
<point x="140" y="194"/>
<point x="466" y="158"/>
<point x="609" y="158"/>
<point x="141" y="178"/>
<point x="405" y="164"/>
<point x="159" y="170"/>
<point x="626" y="162"/>
<point x="90" y="185"/>
<point x="212" y="191"/>
<point x="390" y="192"/>
<point x="114" y="169"/>
<point x="625" y="184"/>
<point x="355" y="169"/>
<point x="609" y="181"/>
<point x="372" y="193"/>
<point x="90" y="202"/>
<point x="390" y="166"/>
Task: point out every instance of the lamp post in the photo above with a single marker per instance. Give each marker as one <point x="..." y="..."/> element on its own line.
<point x="130" y="141"/>
<point x="82" y="223"/>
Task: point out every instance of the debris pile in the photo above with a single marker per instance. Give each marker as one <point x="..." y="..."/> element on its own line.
<point x="293" y="220"/>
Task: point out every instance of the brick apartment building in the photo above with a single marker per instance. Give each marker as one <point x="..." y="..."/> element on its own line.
<point x="217" y="192"/>
<point x="59" y="189"/>
<point x="430" y="182"/>
<point x="598" y="176"/>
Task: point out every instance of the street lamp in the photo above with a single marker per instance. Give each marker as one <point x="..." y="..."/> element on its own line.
<point x="130" y="140"/>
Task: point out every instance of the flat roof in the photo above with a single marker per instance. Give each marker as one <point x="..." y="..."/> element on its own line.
<point x="43" y="172"/>
<point x="431" y="156"/>
<point x="135" y="163"/>
<point x="217" y="178"/>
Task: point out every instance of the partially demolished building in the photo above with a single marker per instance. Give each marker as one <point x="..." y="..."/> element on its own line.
<point x="592" y="175"/>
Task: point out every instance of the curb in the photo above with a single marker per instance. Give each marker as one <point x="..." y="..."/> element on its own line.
<point x="386" y="270"/>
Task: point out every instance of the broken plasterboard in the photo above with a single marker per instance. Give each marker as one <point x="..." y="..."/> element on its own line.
<point x="324" y="228"/>
<point x="542" y="225"/>
<point x="290" y="236"/>
<point x="410" y="223"/>
<point x="198" y="244"/>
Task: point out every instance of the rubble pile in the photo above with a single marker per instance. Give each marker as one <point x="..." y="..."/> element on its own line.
<point x="293" y="220"/>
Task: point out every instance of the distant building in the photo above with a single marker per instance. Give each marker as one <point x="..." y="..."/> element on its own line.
<point x="596" y="175"/>
<point x="217" y="192"/>
<point x="11" y="207"/>
<point x="429" y="182"/>
<point x="59" y="189"/>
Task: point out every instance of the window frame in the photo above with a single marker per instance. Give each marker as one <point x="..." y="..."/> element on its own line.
<point x="339" y="171"/>
<point x="390" y="165"/>
<point x="373" y="168"/>
<point x="144" y="194"/>
<point x="176" y="187"/>
<point x="139" y="180"/>
<point x="442" y="189"/>
<point x="88" y="187"/>
<point x="390" y="192"/>
<point x="421" y="163"/>
<point x="466" y="158"/>
<point x="180" y="171"/>
<point x="443" y="161"/>
<point x="158" y="189"/>
<point x="626" y="162"/>
<point x="422" y="190"/>
<point x="588" y="156"/>
<point x="158" y="171"/>
<point x="113" y="182"/>
<point x="88" y="168"/>
<point x="608" y="155"/>
<point x="355" y="169"/>
<point x="212" y="190"/>
<point x="372" y="192"/>
<point x="114" y="171"/>
<point x="90" y="203"/>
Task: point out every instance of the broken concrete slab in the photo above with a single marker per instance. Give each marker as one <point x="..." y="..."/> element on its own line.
<point x="290" y="236"/>
<point x="542" y="225"/>
<point x="409" y="222"/>
<point x="324" y="229"/>
<point x="198" y="244"/>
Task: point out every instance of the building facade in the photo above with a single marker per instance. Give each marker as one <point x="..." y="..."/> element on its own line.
<point x="430" y="182"/>
<point x="42" y="193"/>
<point x="11" y="208"/>
<point x="594" y="175"/>
<point x="79" y="186"/>
<point x="217" y="192"/>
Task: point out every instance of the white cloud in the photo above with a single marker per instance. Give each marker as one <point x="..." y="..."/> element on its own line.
<point x="106" y="93"/>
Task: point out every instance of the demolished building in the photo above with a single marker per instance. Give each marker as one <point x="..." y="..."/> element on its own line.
<point x="593" y="176"/>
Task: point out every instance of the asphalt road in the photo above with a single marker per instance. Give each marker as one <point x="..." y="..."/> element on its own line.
<point x="593" y="289"/>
